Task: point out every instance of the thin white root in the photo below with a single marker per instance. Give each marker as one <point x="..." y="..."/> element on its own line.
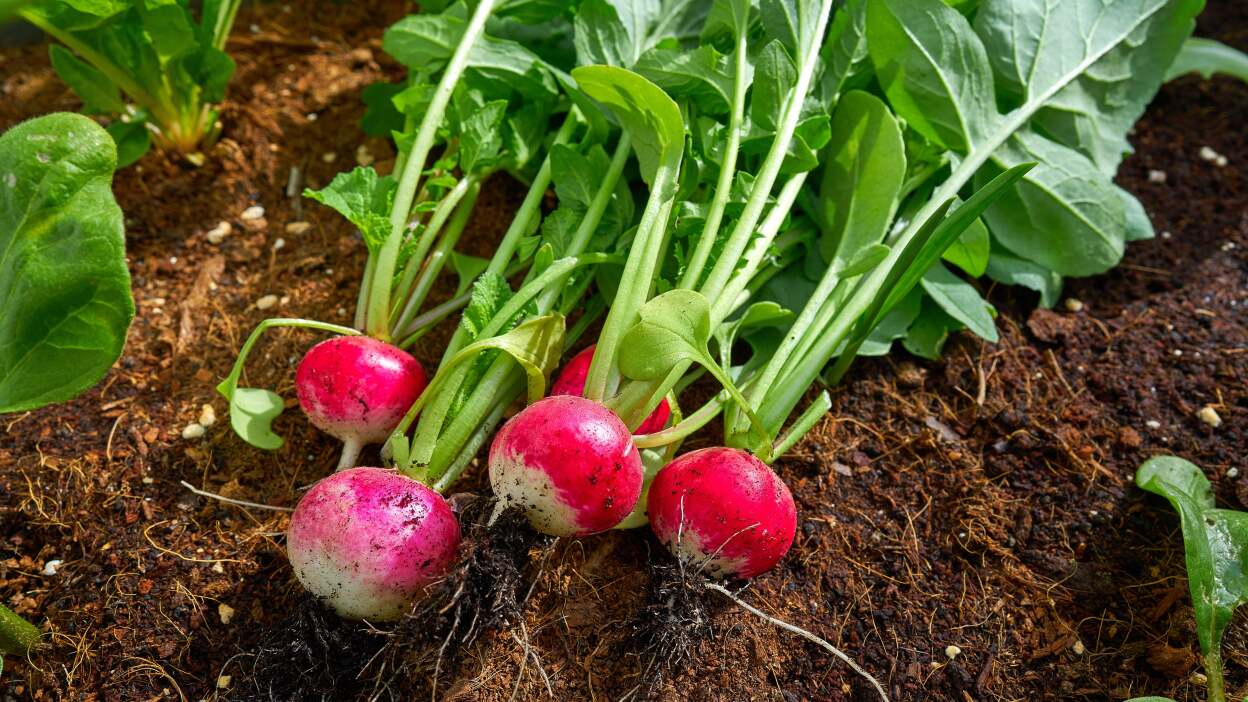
<point x="800" y="632"/>
<point x="232" y="501"/>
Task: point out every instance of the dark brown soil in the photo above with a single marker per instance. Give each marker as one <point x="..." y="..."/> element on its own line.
<point x="984" y="501"/>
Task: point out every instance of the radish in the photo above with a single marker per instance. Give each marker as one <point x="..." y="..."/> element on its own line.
<point x="724" y="511"/>
<point x="571" y="381"/>
<point x="569" y="464"/>
<point x="357" y="388"/>
<point x="368" y="540"/>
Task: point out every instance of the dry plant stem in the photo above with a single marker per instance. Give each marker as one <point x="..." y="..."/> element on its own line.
<point x="802" y="633"/>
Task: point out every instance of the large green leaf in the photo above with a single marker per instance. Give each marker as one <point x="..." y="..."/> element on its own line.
<point x="1215" y="542"/>
<point x="862" y="176"/>
<point x="1119" y="50"/>
<point x="1064" y="214"/>
<point x="933" y="68"/>
<point x="651" y="118"/>
<point x="65" y="300"/>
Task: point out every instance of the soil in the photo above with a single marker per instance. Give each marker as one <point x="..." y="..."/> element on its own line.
<point x="984" y="501"/>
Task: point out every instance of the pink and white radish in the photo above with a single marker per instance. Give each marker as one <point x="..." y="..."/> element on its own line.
<point x="569" y="464"/>
<point x="571" y="381"/>
<point x="357" y="388"/>
<point x="369" y="540"/>
<point x="724" y="511"/>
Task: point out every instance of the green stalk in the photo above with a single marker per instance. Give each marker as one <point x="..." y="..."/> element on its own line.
<point x="17" y="636"/>
<point x="686" y="426"/>
<point x="441" y="213"/>
<point x="437" y="260"/>
<point x="366" y="285"/>
<point x="223" y="22"/>
<point x="723" y="186"/>
<point x="635" y="283"/>
<point x="426" y="320"/>
<point x="378" y="315"/>
<point x="504" y="397"/>
<point x="236" y="372"/>
<point x="1213" y="673"/>
<point x="770" y="169"/>
<point x="520" y="224"/>
<point x="593" y="215"/>
<point x="729" y="298"/>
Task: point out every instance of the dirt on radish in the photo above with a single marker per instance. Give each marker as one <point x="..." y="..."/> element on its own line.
<point x="982" y="502"/>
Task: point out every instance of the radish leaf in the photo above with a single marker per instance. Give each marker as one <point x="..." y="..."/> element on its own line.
<point x="65" y="301"/>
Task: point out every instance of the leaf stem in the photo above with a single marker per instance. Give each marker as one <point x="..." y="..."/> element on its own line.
<point x="1213" y="673"/>
<point x="723" y="186"/>
<point x="635" y="283"/>
<point x="770" y="169"/>
<point x="231" y="381"/>
<point x="520" y="224"/>
<point x="437" y="260"/>
<point x="378" y="315"/>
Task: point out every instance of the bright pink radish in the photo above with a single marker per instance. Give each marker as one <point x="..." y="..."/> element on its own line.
<point x="357" y="388"/>
<point x="569" y="464"/>
<point x="724" y="511"/>
<point x="368" y="540"/>
<point x="571" y="381"/>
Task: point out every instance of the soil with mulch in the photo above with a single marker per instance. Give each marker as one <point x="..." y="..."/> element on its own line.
<point x="984" y="501"/>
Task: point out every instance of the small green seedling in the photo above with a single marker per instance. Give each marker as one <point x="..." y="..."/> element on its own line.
<point x="152" y="65"/>
<point x="1216" y="545"/>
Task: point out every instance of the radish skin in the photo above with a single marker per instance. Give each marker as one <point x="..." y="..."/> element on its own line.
<point x="357" y="389"/>
<point x="571" y="381"/>
<point x="569" y="464"/>
<point x="368" y="541"/>
<point x="723" y="511"/>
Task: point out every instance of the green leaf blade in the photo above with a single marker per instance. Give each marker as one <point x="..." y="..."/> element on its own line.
<point x="65" y="303"/>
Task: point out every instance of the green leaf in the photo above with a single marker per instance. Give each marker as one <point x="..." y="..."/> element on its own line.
<point x="1064" y="214"/>
<point x="467" y="268"/>
<point x="926" y="337"/>
<point x="862" y="176"/>
<point x="536" y="344"/>
<point x="791" y="22"/>
<point x="168" y="26"/>
<point x="774" y="77"/>
<point x="1215" y="542"/>
<point x="675" y="328"/>
<point x="424" y="43"/>
<point x="364" y="198"/>
<point x="1005" y="267"/>
<point x="651" y="118"/>
<point x="481" y="136"/>
<point x="703" y="76"/>
<point x="1208" y="57"/>
<point x="1124" y="47"/>
<point x="894" y="326"/>
<point x="970" y="252"/>
<point x="489" y="293"/>
<point x="252" y="411"/>
<point x="845" y="52"/>
<point x="602" y="38"/>
<point x="133" y="140"/>
<point x="65" y="300"/>
<point x="98" y="93"/>
<point x="960" y="300"/>
<point x="933" y="69"/>
<point x="381" y="117"/>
